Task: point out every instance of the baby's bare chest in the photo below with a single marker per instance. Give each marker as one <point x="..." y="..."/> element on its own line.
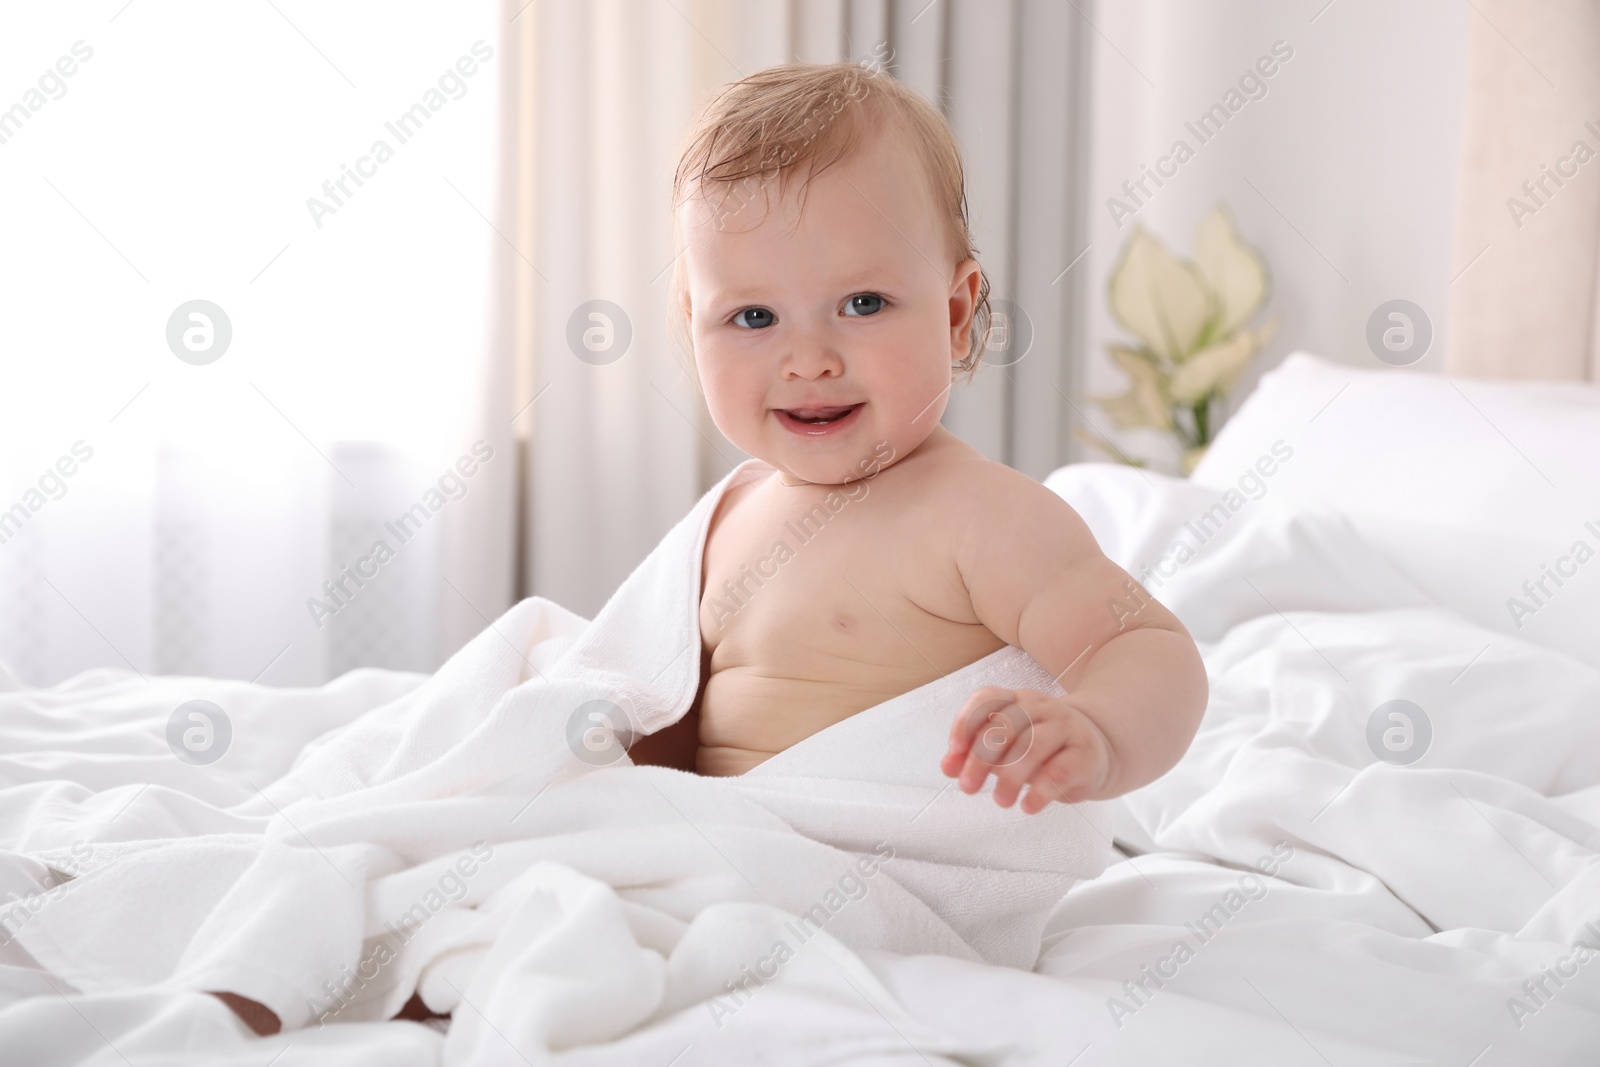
<point x="775" y="572"/>
<point x="813" y="582"/>
<point x="818" y="604"/>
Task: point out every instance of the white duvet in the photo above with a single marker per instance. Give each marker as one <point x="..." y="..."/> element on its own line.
<point x="1292" y="898"/>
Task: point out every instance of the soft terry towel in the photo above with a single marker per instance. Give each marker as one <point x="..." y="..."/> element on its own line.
<point x="479" y="838"/>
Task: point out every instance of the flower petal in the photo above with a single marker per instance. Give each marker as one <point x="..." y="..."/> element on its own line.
<point x="1159" y="298"/>
<point x="1145" y="402"/>
<point x="1214" y="368"/>
<point x="1234" y="271"/>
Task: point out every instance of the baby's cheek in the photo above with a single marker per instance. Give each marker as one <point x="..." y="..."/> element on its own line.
<point x="722" y="388"/>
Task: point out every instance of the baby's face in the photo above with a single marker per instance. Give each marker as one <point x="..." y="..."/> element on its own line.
<point x="850" y="311"/>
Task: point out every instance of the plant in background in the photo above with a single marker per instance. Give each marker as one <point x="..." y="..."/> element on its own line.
<point x="1190" y="319"/>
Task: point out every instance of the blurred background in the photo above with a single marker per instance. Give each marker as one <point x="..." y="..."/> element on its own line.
<point x="294" y="297"/>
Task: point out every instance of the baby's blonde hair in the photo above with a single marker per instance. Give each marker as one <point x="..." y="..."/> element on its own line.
<point x="800" y="119"/>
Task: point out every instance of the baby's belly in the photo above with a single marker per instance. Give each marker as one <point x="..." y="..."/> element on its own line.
<point x="748" y="716"/>
<point x="775" y="688"/>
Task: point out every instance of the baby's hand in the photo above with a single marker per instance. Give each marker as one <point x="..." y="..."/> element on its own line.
<point x="1030" y="738"/>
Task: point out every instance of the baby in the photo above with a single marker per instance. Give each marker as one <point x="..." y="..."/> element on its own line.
<point x="829" y="291"/>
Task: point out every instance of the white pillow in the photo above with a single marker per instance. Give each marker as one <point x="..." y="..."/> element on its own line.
<point x="1190" y="546"/>
<point x="1486" y="494"/>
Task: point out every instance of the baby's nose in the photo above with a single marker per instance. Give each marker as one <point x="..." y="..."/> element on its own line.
<point x="812" y="357"/>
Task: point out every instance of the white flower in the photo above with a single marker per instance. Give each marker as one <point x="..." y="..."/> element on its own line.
<point x="1216" y="367"/>
<point x="1234" y="272"/>
<point x="1145" y="403"/>
<point x="1162" y="300"/>
<point x="1189" y="318"/>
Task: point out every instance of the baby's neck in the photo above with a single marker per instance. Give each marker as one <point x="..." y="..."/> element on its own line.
<point x="938" y="441"/>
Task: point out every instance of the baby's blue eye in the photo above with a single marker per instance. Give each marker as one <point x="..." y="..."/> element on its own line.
<point x="864" y="304"/>
<point x="760" y="318"/>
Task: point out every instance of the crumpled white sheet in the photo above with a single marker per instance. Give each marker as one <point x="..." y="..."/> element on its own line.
<point x="460" y="843"/>
<point x="1422" y="913"/>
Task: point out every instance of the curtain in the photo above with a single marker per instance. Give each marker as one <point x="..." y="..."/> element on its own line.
<point x="244" y="345"/>
<point x="618" y="448"/>
<point x="1525" y="302"/>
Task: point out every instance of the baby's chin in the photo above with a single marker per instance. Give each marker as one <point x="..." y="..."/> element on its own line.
<point x="860" y="451"/>
<point x="830" y="464"/>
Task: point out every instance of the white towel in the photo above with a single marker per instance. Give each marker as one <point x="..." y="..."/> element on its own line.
<point x="463" y="842"/>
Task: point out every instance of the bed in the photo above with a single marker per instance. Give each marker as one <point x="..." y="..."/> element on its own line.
<point x="1381" y="847"/>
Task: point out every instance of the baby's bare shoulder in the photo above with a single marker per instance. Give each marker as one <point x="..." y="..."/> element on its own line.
<point x="972" y="511"/>
<point x="1018" y="536"/>
<point x="990" y="495"/>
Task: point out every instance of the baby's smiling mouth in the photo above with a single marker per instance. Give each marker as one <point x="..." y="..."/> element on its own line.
<point x="820" y="421"/>
<point x="819" y="416"/>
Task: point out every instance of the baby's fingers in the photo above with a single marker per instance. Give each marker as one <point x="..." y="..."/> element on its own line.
<point x="1068" y="777"/>
<point x="1006" y="737"/>
<point x="976" y="717"/>
<point x="1045" y="739"/>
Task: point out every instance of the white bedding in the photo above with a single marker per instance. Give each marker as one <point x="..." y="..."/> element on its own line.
<point x="1408" y="907"/>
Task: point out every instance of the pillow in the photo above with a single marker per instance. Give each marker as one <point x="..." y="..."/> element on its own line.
<point x="1190" y="547"/>
<point x="1486" y="494"/>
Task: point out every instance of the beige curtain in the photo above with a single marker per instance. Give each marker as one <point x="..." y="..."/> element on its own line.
<point x="1525" y="301"/>
<point x="615" y="452"/>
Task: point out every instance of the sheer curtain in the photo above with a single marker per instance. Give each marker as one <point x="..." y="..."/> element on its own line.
<point x="619" y="443"/>
<point x="297" y="283"/>
<point x="1526" y="301"/>
<point x="251" y="276"/>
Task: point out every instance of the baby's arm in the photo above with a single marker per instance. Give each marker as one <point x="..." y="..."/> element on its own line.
<point x="1136" y="686"/>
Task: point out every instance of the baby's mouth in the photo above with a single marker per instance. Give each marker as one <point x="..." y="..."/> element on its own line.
<point x="819" y="416"/>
